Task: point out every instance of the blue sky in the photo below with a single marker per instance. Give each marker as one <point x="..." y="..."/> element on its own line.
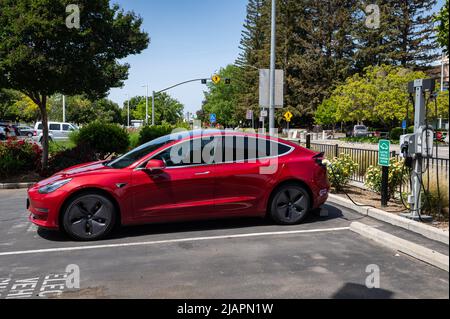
<point x="189" y="39"/>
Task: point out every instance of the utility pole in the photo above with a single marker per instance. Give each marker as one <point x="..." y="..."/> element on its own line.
<point x="272" y="71"/>
<point x="146" y="103"/>
<point x="128" y="110"/>
<point x="153" y="108"/>
<point x="64" y="107"/>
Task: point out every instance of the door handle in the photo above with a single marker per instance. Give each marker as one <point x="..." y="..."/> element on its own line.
<point x="203" y="173"/>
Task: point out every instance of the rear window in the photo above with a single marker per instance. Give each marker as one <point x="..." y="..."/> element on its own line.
<point x="40" y="127"/>
<point x="360" y="127"/>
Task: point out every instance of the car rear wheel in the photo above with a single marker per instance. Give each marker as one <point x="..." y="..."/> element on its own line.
<point x="89" y="217"/>
<point x="290" y="204"/>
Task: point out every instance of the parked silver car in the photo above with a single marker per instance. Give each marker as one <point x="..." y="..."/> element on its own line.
<point x="360" y="131"/>
<point x="56" y="131"/>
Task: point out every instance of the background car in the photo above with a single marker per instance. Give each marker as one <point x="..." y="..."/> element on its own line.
<point x="56" y="131"/>
<point x="185" y="176"/>
<point x="10" y="129"/>
<point x="360" y="131"/>
<point x="2" y="134"/>
<point x="26" y="130"/>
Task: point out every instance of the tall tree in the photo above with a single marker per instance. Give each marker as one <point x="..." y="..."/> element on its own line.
<point x="167" y="109"/>
<point x="43" y="52"/>
<point x="443" y="26"/>
<point x="221" y="99"/>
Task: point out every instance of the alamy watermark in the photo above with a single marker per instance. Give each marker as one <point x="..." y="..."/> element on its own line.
<point x="373" y="279"/>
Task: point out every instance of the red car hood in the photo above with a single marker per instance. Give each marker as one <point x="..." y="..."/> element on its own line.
<point x="74" y="170"/>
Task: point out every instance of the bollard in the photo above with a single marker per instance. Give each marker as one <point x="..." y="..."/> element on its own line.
<point x="308" y="141"/>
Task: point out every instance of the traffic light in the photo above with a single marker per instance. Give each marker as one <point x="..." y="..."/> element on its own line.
<point x="227" y="81"/>
<point x="204" y="81"/>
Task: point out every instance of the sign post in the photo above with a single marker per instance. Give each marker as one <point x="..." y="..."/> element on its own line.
<point x="384" y="156"/>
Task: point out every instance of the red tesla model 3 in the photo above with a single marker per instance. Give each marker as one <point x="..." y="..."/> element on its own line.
<point x="183" y="176"/>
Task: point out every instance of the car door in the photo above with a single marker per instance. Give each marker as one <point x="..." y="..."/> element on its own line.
<point x="55" y="130"/>
<point x="183" y="190"/>
<point x="66" y="129"/>
<point x="242" y="183"/>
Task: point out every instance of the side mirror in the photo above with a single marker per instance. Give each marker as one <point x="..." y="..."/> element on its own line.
<point x="155" y="165"/>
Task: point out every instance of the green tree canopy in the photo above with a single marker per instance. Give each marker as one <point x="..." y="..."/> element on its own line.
<point x="221" y="99"/>
<point x="40" y="55"/>
<point x="379" y="95"/>
<point x="167" y="109"/>
<point x="442" y="27"/>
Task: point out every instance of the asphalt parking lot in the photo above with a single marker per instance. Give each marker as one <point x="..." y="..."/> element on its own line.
<point x="248" y="258"/>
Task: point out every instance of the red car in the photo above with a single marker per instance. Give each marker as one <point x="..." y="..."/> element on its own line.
<point x="183" y="176"/>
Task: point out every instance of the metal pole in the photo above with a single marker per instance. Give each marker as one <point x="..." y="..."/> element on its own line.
<point x="384" y="185"/>
<point x="128" y="111"/>
<point x="442" y="72"/>
<point x="64" y="107"/>
<point x="146" y="105"/>
<point x="153" y="108"/>
<point x="272" y="71"/>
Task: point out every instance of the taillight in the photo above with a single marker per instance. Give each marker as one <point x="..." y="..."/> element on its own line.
<point x="318" y="158"/>
<point x="34" y="133"/>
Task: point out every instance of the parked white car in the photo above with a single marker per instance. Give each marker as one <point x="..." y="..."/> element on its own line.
<point x="57" y="131"/>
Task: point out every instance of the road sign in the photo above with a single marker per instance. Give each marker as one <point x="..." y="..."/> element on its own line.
<point x="384" y="152"/>
<point x="404" y="124"/>
<point x="216" y="79"/>
<point x="212" y="118"/>
<point x="264" y="78"/>
<point x="263" y="113"/>
<point x="249" y="115"/>
<point x="288" y="116"/>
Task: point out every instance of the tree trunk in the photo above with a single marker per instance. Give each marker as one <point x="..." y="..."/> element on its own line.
<point x="44" y="140"/>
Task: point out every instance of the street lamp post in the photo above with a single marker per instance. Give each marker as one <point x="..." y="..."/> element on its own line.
<point x="153" y="108"/>
<point x="272" y="71"/>
<point x="64" y="107"/>
<point x="146" y="103"/>
<point x="128" y="110"/>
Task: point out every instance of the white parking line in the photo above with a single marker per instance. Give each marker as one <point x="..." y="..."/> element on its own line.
<point x="168" y="241"/>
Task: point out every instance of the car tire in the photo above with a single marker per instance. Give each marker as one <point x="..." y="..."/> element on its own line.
<point x="89" y="216"/>
<point x="30" y="135"/>
<point x="290" y="204"/>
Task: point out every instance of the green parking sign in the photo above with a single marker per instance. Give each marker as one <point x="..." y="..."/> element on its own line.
<point x="384" y="152"/>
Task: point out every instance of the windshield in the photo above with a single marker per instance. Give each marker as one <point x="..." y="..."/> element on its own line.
<point x="360" y="127"/>
<point x="143" y="150"/>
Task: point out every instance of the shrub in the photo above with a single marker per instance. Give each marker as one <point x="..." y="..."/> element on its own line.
<point x="397" y="177"/>
<point x="340" y="169"/>
<point x="103" y="139"/>
<point x="19" y="156"/>
<point x="149" y="133"/>
<point x="82" y="153"/>
<point x="395" y="133"/>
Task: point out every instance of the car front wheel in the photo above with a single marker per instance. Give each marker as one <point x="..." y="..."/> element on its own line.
<point x="89" y="217"/>
<point x="290" y="204"/>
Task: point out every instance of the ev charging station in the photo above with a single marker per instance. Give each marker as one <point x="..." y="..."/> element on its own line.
<point x="416" y="147"/>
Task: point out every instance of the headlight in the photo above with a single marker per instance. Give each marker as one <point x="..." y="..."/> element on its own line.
<point x="53" y="186"/>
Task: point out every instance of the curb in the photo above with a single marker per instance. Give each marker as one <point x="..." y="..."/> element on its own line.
<point x="411" y="225"/>
<point x="16" y="185"/>
<point x="414" y="250"/>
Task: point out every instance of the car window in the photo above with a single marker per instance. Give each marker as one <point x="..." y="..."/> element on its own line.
<point x="67" y="127"/>
<point x="192" y="152"/>
<point x="141" y="151"/>
<point x="360" y="127"/>
<point x="55" y="127"/>
<point x="243" y="148"/>
<point x="40" y="127"/>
